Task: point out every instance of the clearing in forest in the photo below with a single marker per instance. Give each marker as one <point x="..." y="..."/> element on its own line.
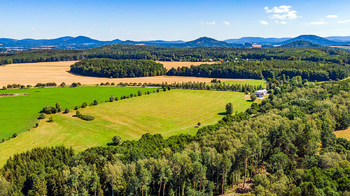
<point x="172" y="112"/>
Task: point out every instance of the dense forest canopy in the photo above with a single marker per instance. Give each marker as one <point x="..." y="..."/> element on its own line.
<point x="285" y="145"/>
<point x="180" y="54"/>
<point x="309" y="70"/>
<point x="118" y="68"/>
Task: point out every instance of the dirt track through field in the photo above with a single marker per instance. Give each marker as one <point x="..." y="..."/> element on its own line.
<point x="33" y="73"/>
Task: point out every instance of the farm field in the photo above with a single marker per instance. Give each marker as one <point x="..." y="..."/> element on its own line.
<point x="43" y="72"/>
<point x="168" y="113"/>
<point x="175" y="64"/>
<point x="250" y="82"/>
<point x="19" y="113"/>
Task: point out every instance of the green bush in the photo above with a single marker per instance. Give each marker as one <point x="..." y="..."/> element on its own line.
<point x="117" y="140"/>
<point x="47" y="109"/>
<point x="14" y="135"/>
<point x="111" y="98"/>
<point x="84" y="105"/>
<point x="66" y="110"/>
<point x="51" y="119"/>
<point x="87" y="117"/>
<point x="42" y="116"/>
<point x="139" y="93"/>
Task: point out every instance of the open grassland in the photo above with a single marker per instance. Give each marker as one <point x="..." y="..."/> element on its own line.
<point x="168" y="113"/>
<point x="250" y="82"/>
<point x="33" y="73"/>
<point x="19" y="113"/>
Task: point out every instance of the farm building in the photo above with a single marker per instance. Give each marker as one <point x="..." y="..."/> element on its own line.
<point x="260" y="93"/>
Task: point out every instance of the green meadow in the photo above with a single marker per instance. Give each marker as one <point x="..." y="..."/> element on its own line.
<point x="172" y="112"/>
<point x="20" y="113"/>
<point x="250" y="82"/>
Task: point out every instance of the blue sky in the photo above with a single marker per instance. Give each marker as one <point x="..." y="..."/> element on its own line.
<point x="173" y="20"/>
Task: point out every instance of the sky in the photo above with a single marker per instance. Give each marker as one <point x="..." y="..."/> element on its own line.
<point x="172" y="20"/>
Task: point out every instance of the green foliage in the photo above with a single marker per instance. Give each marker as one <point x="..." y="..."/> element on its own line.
<point x="50" y="119"/>
<point x="111" y="98"/>
<point x="42" y="116"/>
<point x="117" y="140"/>
<point x="84" y="105"/>
<point x="229" y="109"/>
<point x="139" y="93"/>
<point x="253" y="96"/>
<point x="118" y="68"/>
<point x="66" y="111"/>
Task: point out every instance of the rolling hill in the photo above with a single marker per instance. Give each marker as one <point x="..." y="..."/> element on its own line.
<point x="300" y="44"/>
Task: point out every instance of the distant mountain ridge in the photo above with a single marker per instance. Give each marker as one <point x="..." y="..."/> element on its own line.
<point x="82" y="42"/>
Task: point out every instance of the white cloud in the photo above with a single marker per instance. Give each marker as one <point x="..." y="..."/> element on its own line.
<point x="332" y="16"/>
<point x="33" y="29"/>
<point x="283" y="22"/>
<point x="318" y="23"/>
<point x="343" y="21"/>
<point x="263" y="22"/>
<point x="282" y="12"/>
<point x="226" y="23"/>
<point x="280" y="9"/>
<point x="211" y="23"/>
<point x="201" y="22"/>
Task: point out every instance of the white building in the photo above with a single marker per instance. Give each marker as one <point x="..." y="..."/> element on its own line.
<point x="260" y="93"/>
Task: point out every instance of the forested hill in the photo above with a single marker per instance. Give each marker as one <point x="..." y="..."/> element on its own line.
<point x="283" y="146"/>
<point x="179" y="54"/>
<point x="300" y="44"/>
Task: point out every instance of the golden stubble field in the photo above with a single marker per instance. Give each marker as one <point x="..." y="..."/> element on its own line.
<point x="43" y="72"/>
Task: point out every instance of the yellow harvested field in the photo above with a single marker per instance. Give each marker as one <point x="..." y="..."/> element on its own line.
<point x="43" y="72"/>
<point x="170" y="65"/>
<point x="343" y="133"/>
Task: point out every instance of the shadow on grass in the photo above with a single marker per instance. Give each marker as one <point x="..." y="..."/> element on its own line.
<point x="222" y="113"/>
<point x="111" y="144"/>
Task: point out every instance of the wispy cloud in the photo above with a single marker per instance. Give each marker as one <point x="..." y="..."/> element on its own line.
<point x="282" y="12"/>
<point x="318" y="23"/>
<point x="211" y="23"/>
<point x="282" y="22"/>
<point x="201" y="22"/>
<point x="33" y="29"/>
<point x="226" y="23"/>
<point x="344" y="21"/>
<point x="263" y="22"/>
<point x="332" y="16"/>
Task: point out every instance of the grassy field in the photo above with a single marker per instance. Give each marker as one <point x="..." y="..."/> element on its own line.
<point x="19" y="113"/>
<point x="168" y="113"/>
<point x="251" y="82"/>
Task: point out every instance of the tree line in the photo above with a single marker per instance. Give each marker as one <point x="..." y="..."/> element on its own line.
<point x="266" y="69"/>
